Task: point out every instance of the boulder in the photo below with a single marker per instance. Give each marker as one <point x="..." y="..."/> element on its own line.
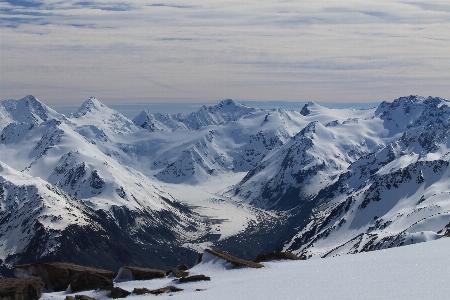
<point x="90" y="281"/>
<point x="237" y="262"/>
<point x="80" y="297"/>
<point x="183" y="267"/>
<point x="142" y="291"/>
<point x="135" y="273"/>
<point x="179" y="273"/>
<point x="57" y="275"/>
<point x="21" y="288"/>
<point x="276" y="256"/>
<point x="194" y="278"/>
<point x="165" y="289"/>
<point x="117" y="292"/>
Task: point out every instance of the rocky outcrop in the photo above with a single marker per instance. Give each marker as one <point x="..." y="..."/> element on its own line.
<point x="117" y="292"/>
<point x="142" y="291"/>
<point x="136" y="273"/>
<point x="180" y="271"/>
<point x="237" y="262"/>
<point x="90" y="281"/>
<point x="58" y="275"/>
<point x="194" y="278"/>
<point x="20" y="288"/>
<point x="80" y="297"/>
<point x="275" y="256"/>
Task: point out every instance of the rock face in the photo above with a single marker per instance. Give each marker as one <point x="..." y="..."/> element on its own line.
<point x="90" y="281"/>
<point x="20" y="288"/>
<point x="237" y="262"/>
<point x="80" y="297"/>
<point x="117" y="292"/>
<point x="142" y="291"/>
<point x="180" y="271"/>
<point x="275" y="256"/>
<point x="136" y="273"/>
<point x="194" y="278"/>
<point x="58" y="275"/>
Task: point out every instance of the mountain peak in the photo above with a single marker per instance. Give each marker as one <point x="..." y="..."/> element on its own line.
<point x="31" y="102"/>
<point x="92" y="111"/>
<point x="26" y="110"/>
<point x="229" y="102"/>
<point x="89" y="106"/>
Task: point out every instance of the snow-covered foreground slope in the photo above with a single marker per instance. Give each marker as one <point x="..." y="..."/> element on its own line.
<point x="419" y="271"/>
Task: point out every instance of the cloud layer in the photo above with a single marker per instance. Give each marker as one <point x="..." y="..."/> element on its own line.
<point x="144" y="51"/>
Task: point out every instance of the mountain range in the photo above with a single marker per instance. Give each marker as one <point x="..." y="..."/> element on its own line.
<point x="98" y="189"/>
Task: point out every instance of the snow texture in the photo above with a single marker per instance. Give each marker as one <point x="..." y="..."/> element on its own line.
<point x="414" y="272"/>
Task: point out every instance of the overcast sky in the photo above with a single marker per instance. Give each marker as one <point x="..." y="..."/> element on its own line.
<point x="197" y="51"/>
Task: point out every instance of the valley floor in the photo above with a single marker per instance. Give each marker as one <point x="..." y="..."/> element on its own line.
<point x="229" y="216"/>
<point x="419" y="271"/>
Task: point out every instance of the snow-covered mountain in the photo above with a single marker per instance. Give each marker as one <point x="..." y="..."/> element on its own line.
<point x="113" y="200"/>
<point x="317" y="182"/>
<point x="27" y="110"/>
<point x="93" y="113"/>
<point x="222" y="113"/>
<point x="390" y="197"/>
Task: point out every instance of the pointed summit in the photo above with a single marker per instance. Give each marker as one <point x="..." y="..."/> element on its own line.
<point x="26" y="110"/>
<point x="92" y="111"/>
<point x="91" y="105"/>
<point x="306" y="110"/>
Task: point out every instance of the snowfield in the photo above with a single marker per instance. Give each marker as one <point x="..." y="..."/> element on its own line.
<point x="419" y="271"/>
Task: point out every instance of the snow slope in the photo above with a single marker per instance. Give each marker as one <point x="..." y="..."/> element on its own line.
<point x="26" y="110"/>
<point x="29" y="204"/>
<point x="419" y="271"/>
<point x="390" y="197"/>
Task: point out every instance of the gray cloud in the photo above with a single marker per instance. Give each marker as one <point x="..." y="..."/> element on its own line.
<point x="197" y="51"/>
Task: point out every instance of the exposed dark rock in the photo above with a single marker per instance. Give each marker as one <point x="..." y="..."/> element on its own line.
<point x="142" y="291"/>
<point x="20" y="288"/>
<point x="117" y="292"/>
<point x="276" y="256"/>
<point x="200" y="257"/>
<point x="234" y="260"/>
<point x="183" y="267"/>
<point x="82" y="297"/>
<point x="179" y="273"/>
<point x="57" y="275"/>
<point x="136" y="273"/>
<point x="194" y="278"/>
<point x="199" y="290"/>
<point x="90" y="281"/>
